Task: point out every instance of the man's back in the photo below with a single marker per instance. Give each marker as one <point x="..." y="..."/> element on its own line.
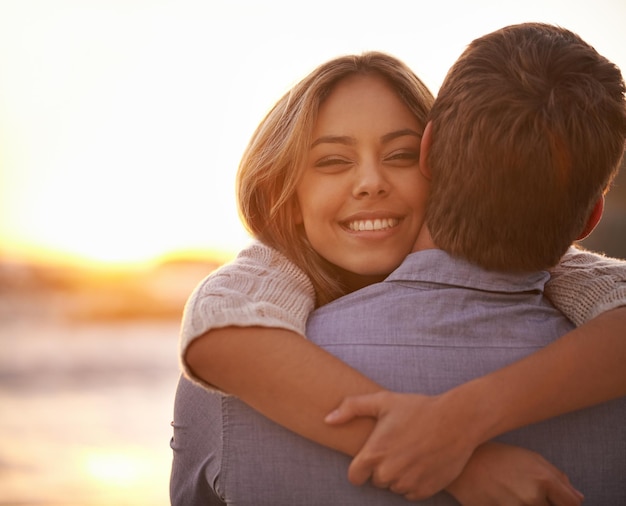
<point x="435" y="323"/>
<point x="439" y="322"/>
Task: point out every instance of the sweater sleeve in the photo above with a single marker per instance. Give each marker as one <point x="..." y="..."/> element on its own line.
<point x="261" y="287"/>
<point x="585" y="284"/>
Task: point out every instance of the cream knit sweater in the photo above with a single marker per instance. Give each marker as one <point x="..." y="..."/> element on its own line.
<point x="261" y="287"/>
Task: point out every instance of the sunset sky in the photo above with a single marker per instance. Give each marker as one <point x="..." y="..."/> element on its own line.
<point x="122" y="121"/>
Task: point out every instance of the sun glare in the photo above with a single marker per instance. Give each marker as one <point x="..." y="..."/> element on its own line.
<point x="116" y="260"/>
<point x="122" y="477"/>
<point x="111" y="158"/>
<point x="115" y="469"/>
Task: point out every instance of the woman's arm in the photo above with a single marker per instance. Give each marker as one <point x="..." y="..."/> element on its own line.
<point x="243" y="333"/>
<point x="495" y="475"/>
<point x="286" y="378"/>
<point x="294" y="383"/>
<point x="260" y="288"/>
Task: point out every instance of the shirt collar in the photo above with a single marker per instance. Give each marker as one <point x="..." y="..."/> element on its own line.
<point x="437" y="266"/>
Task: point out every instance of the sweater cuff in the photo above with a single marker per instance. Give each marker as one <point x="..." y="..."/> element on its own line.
<point x="585" y="284"/>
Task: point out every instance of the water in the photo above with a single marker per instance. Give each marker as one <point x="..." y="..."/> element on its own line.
<point x="85" y="412"/>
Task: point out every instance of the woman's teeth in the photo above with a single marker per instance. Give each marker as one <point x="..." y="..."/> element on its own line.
<point x="378" y="224"/>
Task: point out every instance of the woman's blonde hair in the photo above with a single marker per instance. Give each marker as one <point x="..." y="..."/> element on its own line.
<point x="273" y="161"/>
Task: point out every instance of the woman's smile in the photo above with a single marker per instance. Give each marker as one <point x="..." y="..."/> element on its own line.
<point x="373" y="225"/>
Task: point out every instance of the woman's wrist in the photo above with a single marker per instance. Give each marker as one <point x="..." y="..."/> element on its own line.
<point x="479" y="409"/>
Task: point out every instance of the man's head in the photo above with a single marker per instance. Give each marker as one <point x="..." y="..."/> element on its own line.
<point x="526" y="133"/>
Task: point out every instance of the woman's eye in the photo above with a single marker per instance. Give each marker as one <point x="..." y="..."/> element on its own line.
<point x="330" y="164"/>
<point x="403" y="158"/>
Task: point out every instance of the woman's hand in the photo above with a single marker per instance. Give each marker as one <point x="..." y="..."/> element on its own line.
<point x="422" y="445"/>
<point x="503" y="474"/>
<point x="419" y="445"/>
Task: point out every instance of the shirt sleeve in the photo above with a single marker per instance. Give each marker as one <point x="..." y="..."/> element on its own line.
<point x="585" y="284"/>
<point x="261" y="287"/>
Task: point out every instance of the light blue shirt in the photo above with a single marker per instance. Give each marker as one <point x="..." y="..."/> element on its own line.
<point x="434" y="323"/>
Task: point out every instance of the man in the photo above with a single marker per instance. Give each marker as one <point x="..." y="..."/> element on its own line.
<point x="471" y="302"/>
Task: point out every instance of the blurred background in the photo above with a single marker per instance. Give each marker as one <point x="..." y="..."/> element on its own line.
<point x="121" y="127"/>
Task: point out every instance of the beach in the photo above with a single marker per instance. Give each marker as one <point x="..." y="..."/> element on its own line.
<point x="88" y="372"/>
<point x="86" y="411"/>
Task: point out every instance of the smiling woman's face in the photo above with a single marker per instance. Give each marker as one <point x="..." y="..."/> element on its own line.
<point x="362" y="196"/>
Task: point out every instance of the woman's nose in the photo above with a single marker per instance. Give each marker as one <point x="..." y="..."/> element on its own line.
<point x="370" y="181"/>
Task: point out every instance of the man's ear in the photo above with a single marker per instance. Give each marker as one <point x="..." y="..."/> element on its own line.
<point x="427" y="139"/>
<point x="594" y="218"/>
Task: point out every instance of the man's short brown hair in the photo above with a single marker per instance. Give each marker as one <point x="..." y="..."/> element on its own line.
<point x="528" y="131"/>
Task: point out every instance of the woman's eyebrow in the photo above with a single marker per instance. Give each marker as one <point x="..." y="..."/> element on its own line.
<point x="334" y="139"/>
<point x="399" y="133"/>
<point x="351" y="141"/>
